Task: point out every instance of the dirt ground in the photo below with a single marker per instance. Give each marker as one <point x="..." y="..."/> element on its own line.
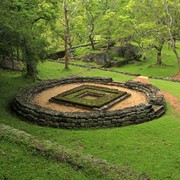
<point x="172" y="99"/>
<point x="142" y="79"/>
<point x="42" y="99"/>
<point x="177" y="76"/>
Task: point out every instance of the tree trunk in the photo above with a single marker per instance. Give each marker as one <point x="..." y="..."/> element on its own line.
<point x="18" y="54"/>
<point x="66" y="38"/>
<point x="30" y="65"/>
<point x="91" y="20"/>
<point x="172" y="36"/>
<point x="177" y="57"/>
<point x="159" y="51"/>
<point x="174" y="48"/>
<point x="159" y="60"/>
<point x="11" y="57"/>
<point x="92" y="41"/>
<point x="66" y="53"/>
<point x="30" y="70"/>
<point x="108" y="43"/>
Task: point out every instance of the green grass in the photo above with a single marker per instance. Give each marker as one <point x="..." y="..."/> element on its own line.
<point x="171" y="87"/>
<point x="50" y="70"/>
<point x="87" y="64"/>
<point x="148" y="67"/>
<point x="79" y="52"/>
<point x="115" y="76"/>
<point x="18" y="163"/>
<point x="151" y="147"/>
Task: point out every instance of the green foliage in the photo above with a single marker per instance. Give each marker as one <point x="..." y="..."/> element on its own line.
<point x="29" y="30"/>
<point x="21" y="32"/>
<point x="153" y="23"/>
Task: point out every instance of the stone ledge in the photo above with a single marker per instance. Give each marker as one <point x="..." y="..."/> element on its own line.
<point x="97" y="119"/>
<point x="165" y="78"/>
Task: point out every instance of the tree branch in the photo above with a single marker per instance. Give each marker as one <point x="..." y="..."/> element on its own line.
<point x="39" y="18"/>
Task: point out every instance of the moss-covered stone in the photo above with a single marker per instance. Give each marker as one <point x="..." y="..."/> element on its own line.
<point x="89" y="96"/>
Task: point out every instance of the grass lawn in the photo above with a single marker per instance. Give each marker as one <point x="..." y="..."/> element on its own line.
<point x="151" y="147"/>
<point x="171" y="87"/>
<point x="115" y="76"/>
<point x="50" y="70"/>
<point x="148" y="67"/>
<point x="16" y="162"/>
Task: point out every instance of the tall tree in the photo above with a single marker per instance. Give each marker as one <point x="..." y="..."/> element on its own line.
<point x="91" y="14"/>
<point x="172" y="9"/>
<point x="108" y="21"/>
<point x="66" y="34"/>
<point x="155" y="22"/>
<point x="66" y="19"/>
<point x="21" y="32"/>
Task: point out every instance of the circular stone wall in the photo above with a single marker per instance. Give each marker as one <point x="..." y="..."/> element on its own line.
<point x="28" y="104"/>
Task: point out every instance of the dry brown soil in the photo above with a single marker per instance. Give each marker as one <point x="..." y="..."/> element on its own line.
<point x="177" y="76"/>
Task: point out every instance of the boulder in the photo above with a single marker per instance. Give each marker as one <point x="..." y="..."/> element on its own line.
<point x="101" y="58"/>
<point x="57" y="55"/>
<point x="128" y="51"/>
<point x="10" y="64"/>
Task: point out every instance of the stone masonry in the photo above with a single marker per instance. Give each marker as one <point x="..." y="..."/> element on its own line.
<point x="154" y="107"/>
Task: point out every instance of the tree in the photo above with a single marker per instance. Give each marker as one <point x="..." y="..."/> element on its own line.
<point x="144" y="28"/>
<point x="66" y="34"/>
<point x="21" y="32"/>
<point x="172" y="22"/>
<point x="108" y="21"/>
<point x="154" y="23"/>
<point x="91" y="14"/>
<point x="68" y="8"/>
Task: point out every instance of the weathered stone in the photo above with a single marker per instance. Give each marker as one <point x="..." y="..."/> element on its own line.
<point x="125" y="123"/>
<point x="132" y="115"/>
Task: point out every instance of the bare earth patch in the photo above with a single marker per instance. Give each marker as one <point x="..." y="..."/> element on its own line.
<point x="177" y="76"/>
<point x="142" y="79"/>
<point x="172" y="99"/>
<point x="42" y="99"/>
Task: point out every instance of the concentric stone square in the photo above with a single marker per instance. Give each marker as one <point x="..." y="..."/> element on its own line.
<point x="90" y="97"/>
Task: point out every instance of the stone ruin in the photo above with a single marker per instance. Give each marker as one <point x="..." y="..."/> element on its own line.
<point x="97" y="118"/>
